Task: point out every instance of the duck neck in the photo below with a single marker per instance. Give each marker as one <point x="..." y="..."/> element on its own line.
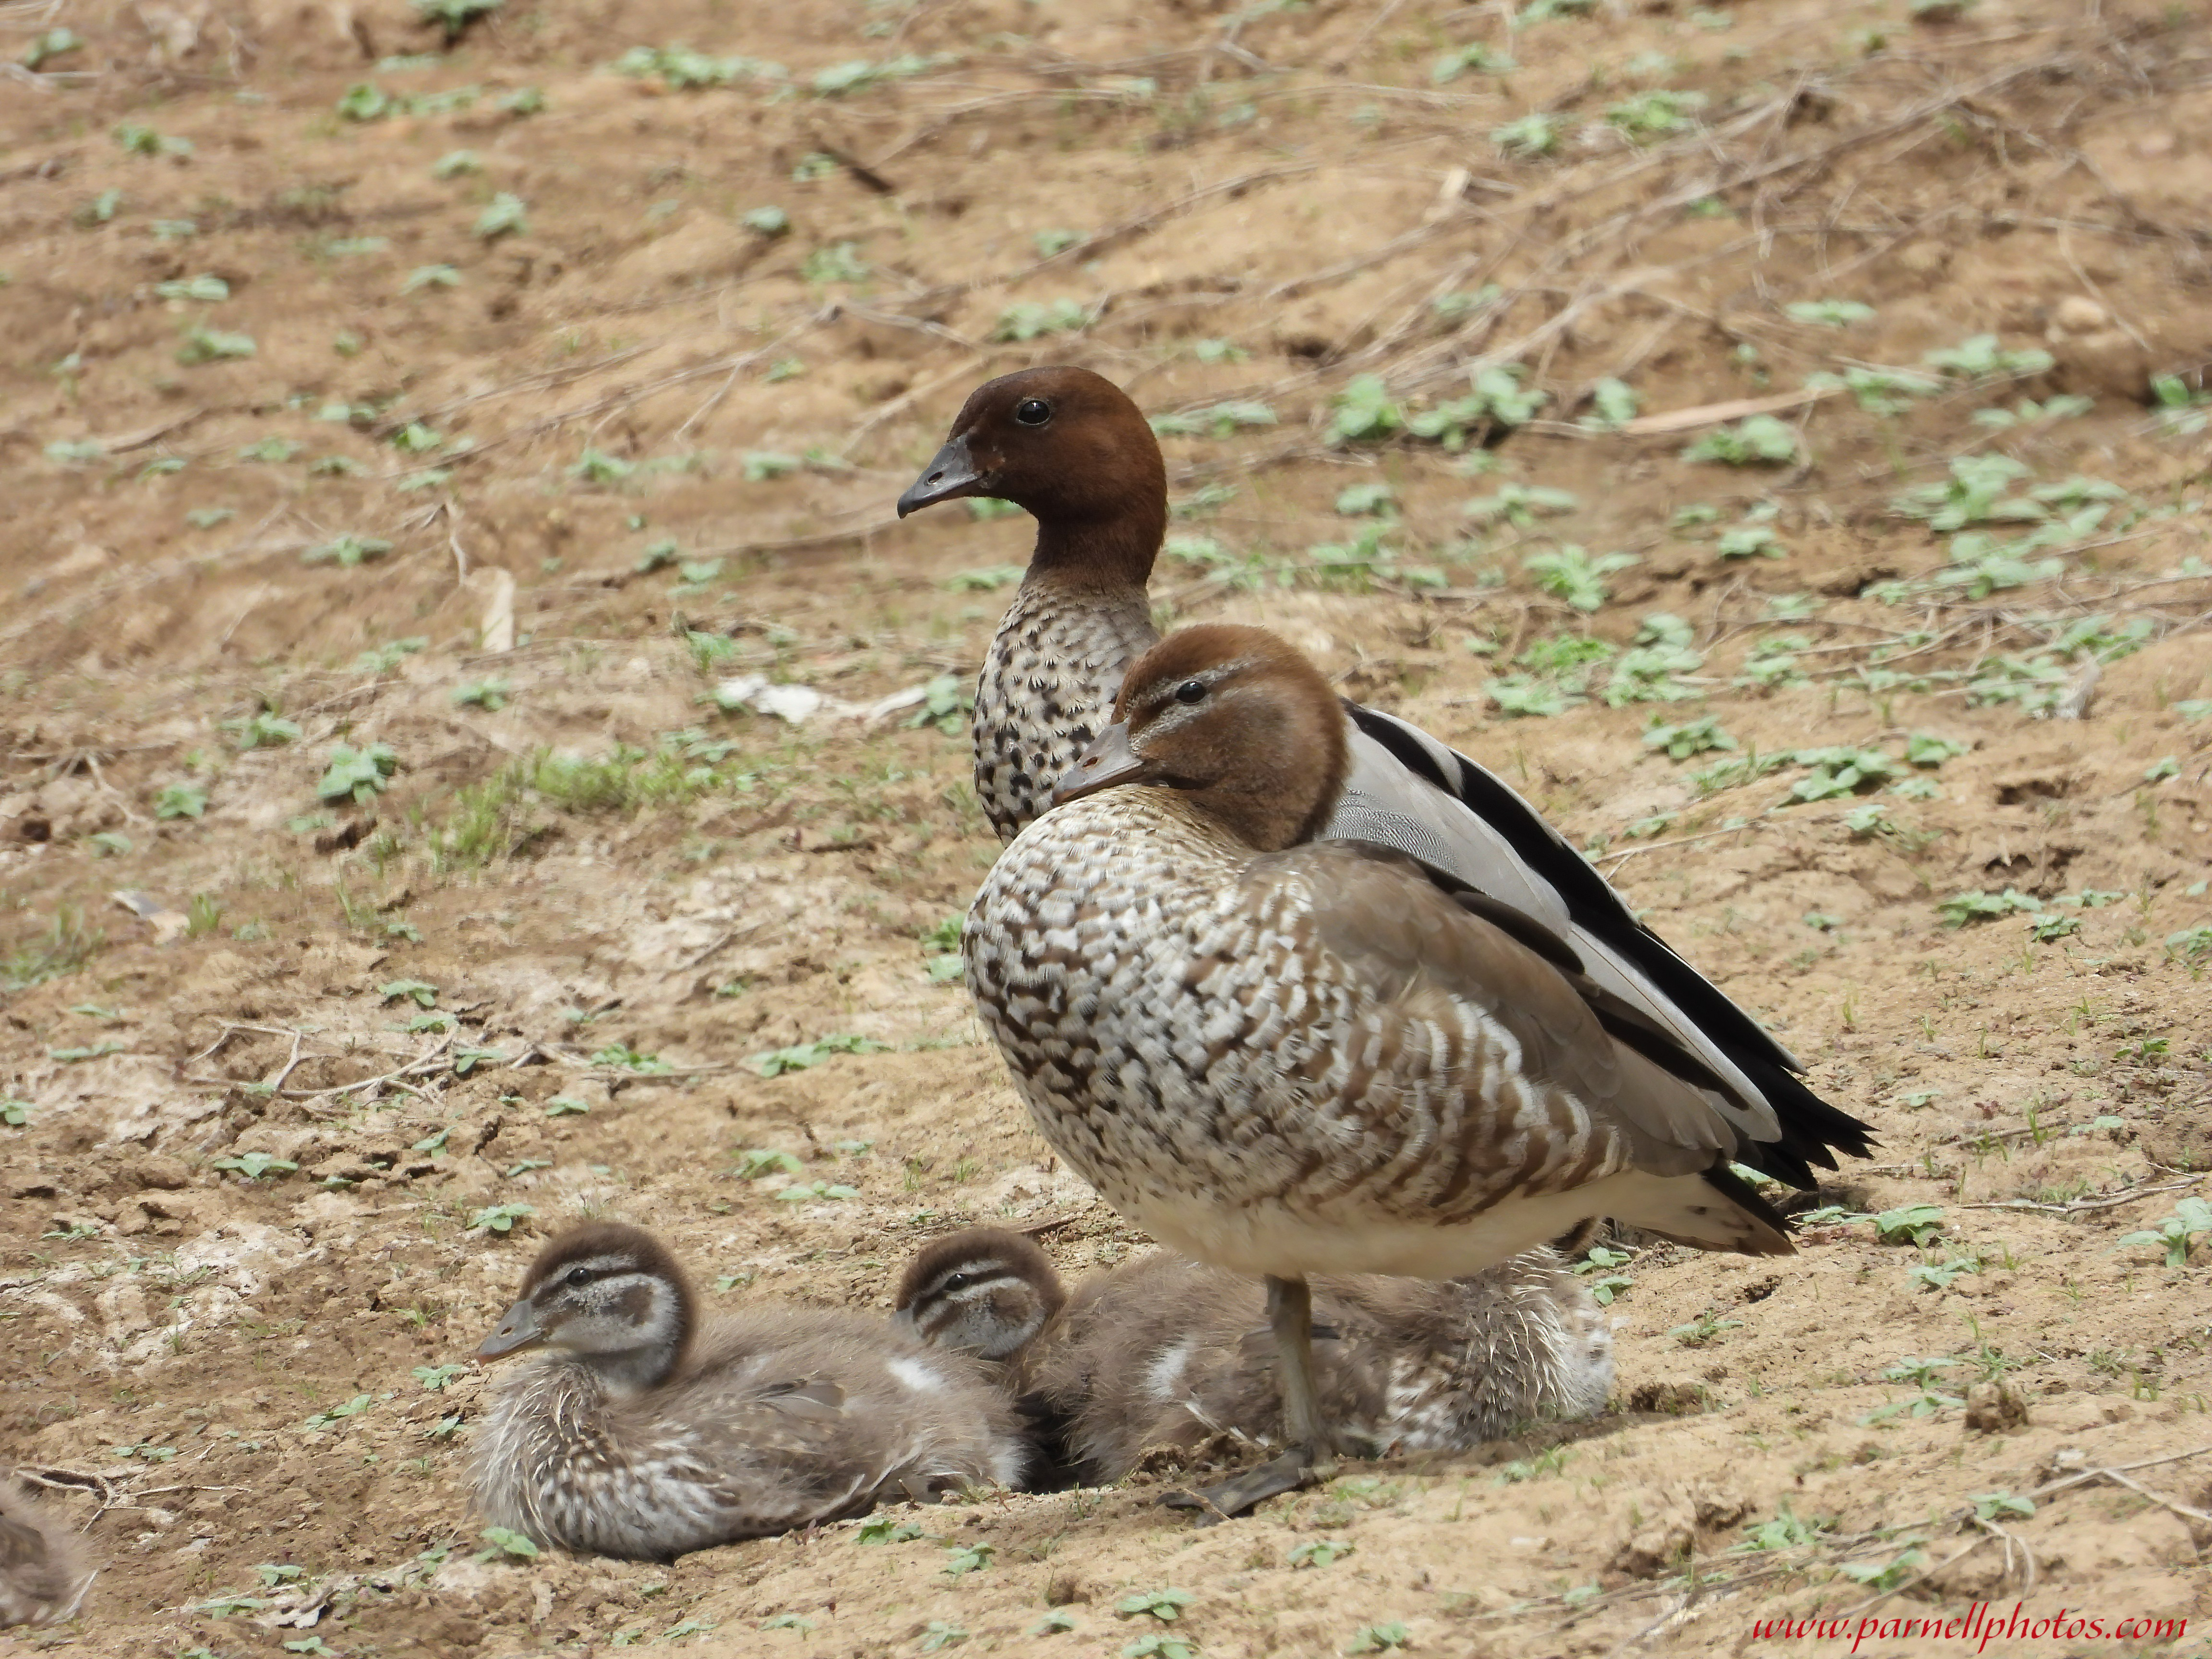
<point x="664" y="1322"/>
<point x="1049" y="678"/>
<point x="633" y="1370"/>
<point x="1111" y="556"/>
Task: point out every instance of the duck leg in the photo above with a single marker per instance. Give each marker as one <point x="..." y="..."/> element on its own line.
<point x="1290" y="1313"/>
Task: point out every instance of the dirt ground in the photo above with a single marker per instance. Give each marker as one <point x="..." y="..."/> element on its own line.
<point x="415" y="445"/>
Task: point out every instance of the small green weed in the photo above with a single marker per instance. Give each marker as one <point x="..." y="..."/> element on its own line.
<point x="254" y="1166"/>
<point x="800" y="1056"/>
<point x="356" y="775"/>
<point x="1161" y="1604"/>
<point x="1829" y="313"/>
<point x="1529" y="136"/>
<point x="2192" y="1217"/>
<point x="1570" y="573"/>
<point x="1598" y="1267"/>
<point x="1787" y="1530"/>
<point x="504" y="1544"/>
<point x="1755" y="440"/>
<point x="961" y="1559"/>
<point x="1029" y="320"/>
<point x="1379" y="1638"/>
<point x="1961" y="910"/>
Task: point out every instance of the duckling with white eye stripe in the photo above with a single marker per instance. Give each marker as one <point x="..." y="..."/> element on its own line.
<point x="644" y="1433"/>
<point x="1166" y="1351"/>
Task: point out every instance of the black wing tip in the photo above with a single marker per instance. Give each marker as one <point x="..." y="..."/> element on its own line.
<point x="1748" y="1198"/>
<point x="1591" y="900"/>
<point x="1813" y="1131"/>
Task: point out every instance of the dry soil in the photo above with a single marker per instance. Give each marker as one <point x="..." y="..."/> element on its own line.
<point x="414" y="443"/>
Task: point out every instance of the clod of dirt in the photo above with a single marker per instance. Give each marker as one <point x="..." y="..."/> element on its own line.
<point x="1993" y="1408"/>
<point x="1668" y="1399"/>
<point x="1659" y="1545"/>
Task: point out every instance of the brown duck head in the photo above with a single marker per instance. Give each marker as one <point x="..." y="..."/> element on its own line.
<point x="1238" y="722"/>
<point x="1069" y="446"/>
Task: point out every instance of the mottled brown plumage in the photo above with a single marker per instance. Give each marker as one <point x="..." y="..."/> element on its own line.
<point x="1081" y="617"/>
<point x="1071" y="448"/>
<point x="1285" y="1059"/>
<point x="43" y="1573"/>
<point x="645" y="1434"/>
<point x="1169" y="1352"/>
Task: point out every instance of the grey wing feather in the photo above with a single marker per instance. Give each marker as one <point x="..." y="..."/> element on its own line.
<point x="1383" y="801"/>
<point x="819" y="1400"/>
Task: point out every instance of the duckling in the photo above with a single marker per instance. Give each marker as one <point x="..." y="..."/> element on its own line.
<point x="645" y="1432"/>
<point x="1283" y="1057"/>
<point x="1070" y="447"/>
<point x="43" y="1575"/>
<point x="1166" y="1351"/>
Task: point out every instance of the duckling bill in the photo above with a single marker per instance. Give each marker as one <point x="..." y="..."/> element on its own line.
<point x="1285" y="1057"/>
<point x="643" y="1431"/>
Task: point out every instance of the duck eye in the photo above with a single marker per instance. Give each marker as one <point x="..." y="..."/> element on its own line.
<point x="1190" y="691"/>
<point x="957" y="1282"/>
<point x="579" y="1276"/>
<point x="1032" y="411"/>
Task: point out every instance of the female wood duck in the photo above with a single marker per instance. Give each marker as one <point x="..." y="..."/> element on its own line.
<point x="1283" y="1057"/>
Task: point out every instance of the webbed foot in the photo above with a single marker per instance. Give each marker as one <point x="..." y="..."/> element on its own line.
<point x="1242" y="1493"/>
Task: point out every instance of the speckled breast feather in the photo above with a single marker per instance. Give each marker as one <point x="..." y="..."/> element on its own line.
<point x="1186" y="1040"/>
<point x="1049" y="678"/>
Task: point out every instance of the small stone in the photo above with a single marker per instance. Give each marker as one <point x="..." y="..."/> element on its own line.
<point x="2077" y="313"/>
<point x="166" y="1175"/>
<point x="2108" y="362"/>
<point x="1924" y="259"/>
<point x="1659" y="1545"/>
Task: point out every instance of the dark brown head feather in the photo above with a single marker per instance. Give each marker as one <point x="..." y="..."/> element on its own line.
<point x="1092" y="474"/>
